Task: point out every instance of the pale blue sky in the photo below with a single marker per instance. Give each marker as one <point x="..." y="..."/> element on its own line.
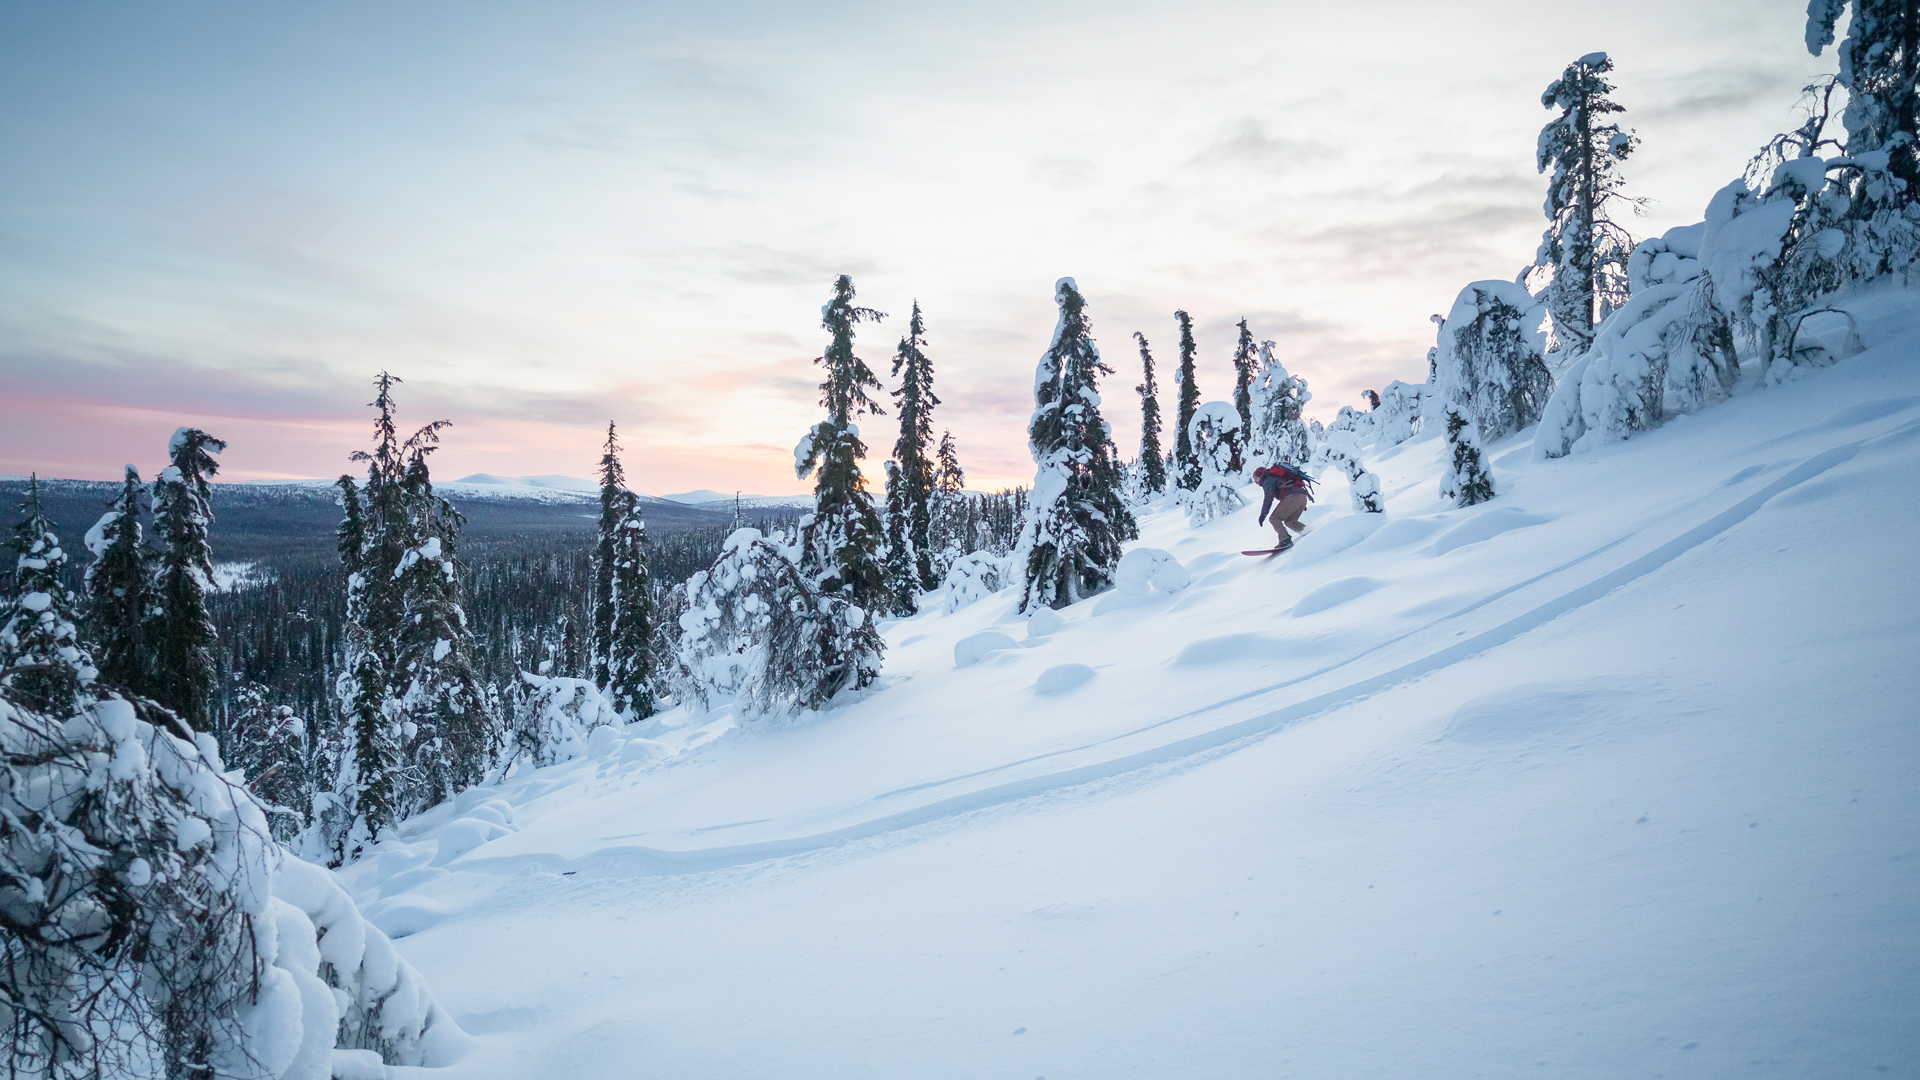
<point x="547" y="215"/>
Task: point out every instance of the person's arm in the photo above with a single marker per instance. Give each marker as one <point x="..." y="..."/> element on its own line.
<point x="1265" y="504"/>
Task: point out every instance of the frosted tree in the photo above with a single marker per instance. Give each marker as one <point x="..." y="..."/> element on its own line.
<point x="119" y="587"/>
<point x="1186" y="464"/>
<point x="1491" y="361"/>
<point x="623" y="594"/>
<point x="1216" y="441"/>
<point x="910" y="480"/>
<point x="1879" y="61"/>
<point x="1243" y="371"/>
<point x="1583" y="246"/>
<point x="1152" y="465"/>
<point x="1278" y="399"/>
<point x="1342" y="449"/>
<point x="757" y="631"/>
<point x="41" y="663"/>
<point x="419" y="723"/>
<point x="842" y="540"/>
<point x="1398" y="414"/>
<point x="951" y="538"/>
<point x="181" y="632"/>
<point x="1077" y="519"/>
<point x="443" y="708"/>
<point x="1466" y="481"/>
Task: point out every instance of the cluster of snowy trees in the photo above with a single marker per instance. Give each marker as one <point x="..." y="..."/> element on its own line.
<point x="149" y="924"/>
<point x="1602" y="337"/>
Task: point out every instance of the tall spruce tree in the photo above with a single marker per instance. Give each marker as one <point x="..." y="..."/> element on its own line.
<point x="1186" y="463"/>
<point x="1153" y="467"/>
<point x="180" y="630"/>
<point x="1077" y="520"/>
<point x="910" y="480"/>
<point x="1244" y="355"/>
<point x="842" y="540"/>
<point x="1585" y="248"/>
<point x="120" y="591"/>
<point x="41" y="663"/>
<point x="444" y="713"/>
<point x="623" y="596"/>
<point x="1879" y="62"/>
<point x="952" y="524"/>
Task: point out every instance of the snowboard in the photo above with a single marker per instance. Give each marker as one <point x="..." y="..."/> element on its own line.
<point x="1269" y="551"/>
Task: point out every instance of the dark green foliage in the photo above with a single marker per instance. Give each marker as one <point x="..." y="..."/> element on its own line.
<point x="842" y="542"/>
<point x="180" y="631"/>
<point x="1186" y="463"/>
<point x="41" y="664"/>
<point x="623" y="595"/>
<point x="1244" y="356"/>
<point x="1079" y="519"/>
<point x="1152" y="464"/>
<point x="1585" y="248"/>
<point x="120" y="593"/>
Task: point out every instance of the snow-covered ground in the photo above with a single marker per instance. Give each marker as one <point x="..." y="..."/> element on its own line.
<point x="1612" y="776"/>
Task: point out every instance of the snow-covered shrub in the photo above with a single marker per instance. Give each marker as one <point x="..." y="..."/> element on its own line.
<point x="1279" y="434"/>
<point x="550" y="717"/>
<point x="757" y="631"/>
<point x="1216" y="442"/>
<point x="1467" y="481"/>
<point x="1398" y="417"/>
<point x="971" y="578"/>
<point x="1144" y="569"/>
<point x="145" y="935"/>
<point x="1342" y="449"/>
<point x="1490" y="362"/>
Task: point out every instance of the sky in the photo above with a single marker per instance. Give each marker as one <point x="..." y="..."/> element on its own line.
<point x="545" y="217"/>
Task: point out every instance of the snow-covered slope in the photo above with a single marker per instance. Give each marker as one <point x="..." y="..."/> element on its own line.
<point x="1612" y="776"/>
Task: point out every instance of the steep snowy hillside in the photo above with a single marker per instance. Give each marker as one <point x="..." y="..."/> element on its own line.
<point x="1611" y="776"/>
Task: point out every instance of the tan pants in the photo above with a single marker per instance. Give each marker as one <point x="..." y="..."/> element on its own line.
<point x="1286" y="515"/>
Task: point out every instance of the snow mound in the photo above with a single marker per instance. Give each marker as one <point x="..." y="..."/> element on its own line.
<point x="1060" y="678"/>
<point x="968" y="650"/>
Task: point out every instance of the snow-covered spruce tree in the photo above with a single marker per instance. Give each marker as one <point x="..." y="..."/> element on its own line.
<point x="1243" y="371"/>
<point x="1077" y="519"/>
<point x="419" y="721"/>
<point x="120" y="591"/>
<point x="1186" y="464"/>
<point x="913" y="457"/>
<point x="41" y="663"/>
<point x="952" y="533"/>
<point x="1152" y="464"/>
<point x="1216" y="440"/>
<point x="1491" y="359"/>
<point x="1583" y="246"/>
<point x="1879" y="61"/>
<point x="1466" y="481"/>
<point x="181" y="632"/>
<point x="267" y="744"/>
<point x="1341" y="449"/>
<point x="1279" y="431"/>
<point x="444" y="712"/>
<point x="842" y="540"/>
<point x="1398" y="415"/>
<point x="757" y="630"/>
<point x="623" y="594"/>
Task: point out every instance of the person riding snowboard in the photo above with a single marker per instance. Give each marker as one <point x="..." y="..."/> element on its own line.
<point x="1288" y="492"/>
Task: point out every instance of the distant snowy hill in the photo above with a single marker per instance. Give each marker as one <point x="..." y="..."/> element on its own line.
<point x="1610" y="776"/>
<point x="558" y="483"/>
<point x="715" y="500"/>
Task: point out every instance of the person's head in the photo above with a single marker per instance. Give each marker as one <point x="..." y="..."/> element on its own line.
<point x="1260" y="473"/>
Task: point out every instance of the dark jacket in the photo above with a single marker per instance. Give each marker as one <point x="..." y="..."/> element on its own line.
<point x="1279" y="483"/>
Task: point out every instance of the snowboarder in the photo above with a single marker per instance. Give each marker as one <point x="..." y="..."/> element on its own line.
<point x="1288" y="492"/>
